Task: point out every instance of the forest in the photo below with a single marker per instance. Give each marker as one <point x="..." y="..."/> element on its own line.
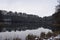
<point x="22" y="21"/>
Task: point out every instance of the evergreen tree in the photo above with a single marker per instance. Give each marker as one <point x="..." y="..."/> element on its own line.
<point x="1" y="20"/>
<point x="56" y="17"/>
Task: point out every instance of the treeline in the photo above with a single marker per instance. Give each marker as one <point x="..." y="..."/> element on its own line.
<point x="22" y="21"/>
<point x="56" y="17"/>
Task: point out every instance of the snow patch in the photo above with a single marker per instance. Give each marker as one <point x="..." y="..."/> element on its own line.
<point x="22" y="34"/>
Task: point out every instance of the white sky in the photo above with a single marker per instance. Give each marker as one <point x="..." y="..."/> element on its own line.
<point x="37" y="7"/>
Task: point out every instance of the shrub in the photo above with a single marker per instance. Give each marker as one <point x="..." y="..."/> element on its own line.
<point x="42" y="35"/>
<point x="49" y="34"/>
<point x="31" y="37"/>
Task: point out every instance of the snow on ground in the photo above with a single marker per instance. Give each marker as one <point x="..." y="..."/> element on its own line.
<point x="58" y="36"/>
<point x="55" y="38"/>
<point x="22" y="34"/>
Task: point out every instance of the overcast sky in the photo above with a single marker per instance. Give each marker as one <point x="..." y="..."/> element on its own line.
<point x="37" y="7"/>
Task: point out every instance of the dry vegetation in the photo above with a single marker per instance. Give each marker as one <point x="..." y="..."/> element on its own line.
<point x="14" y="39"/>
<point x="42" y="36"/>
